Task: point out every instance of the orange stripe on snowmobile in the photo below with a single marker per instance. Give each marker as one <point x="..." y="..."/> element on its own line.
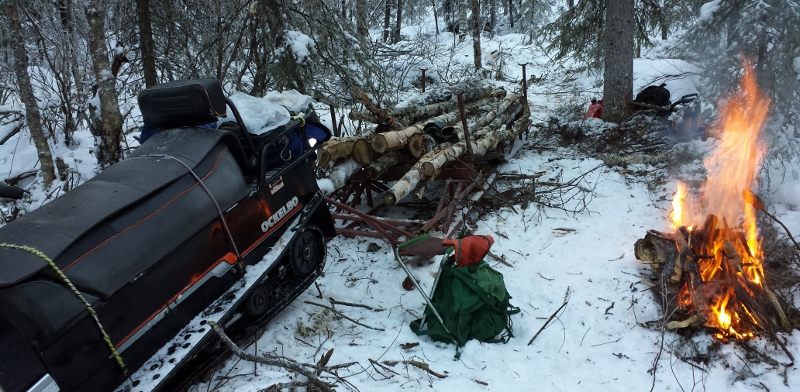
<point x="229" y="258"/>
<point x="219" y="158"/>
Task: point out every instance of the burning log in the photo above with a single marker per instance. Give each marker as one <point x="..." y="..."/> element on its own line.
<point x="713" y="273"/>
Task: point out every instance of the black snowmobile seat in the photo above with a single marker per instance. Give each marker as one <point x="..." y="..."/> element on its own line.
<point x="109" y="230"/>
<point x="182" y="103"/>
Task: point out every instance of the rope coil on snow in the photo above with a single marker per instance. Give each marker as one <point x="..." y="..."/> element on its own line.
<point x="78" y="294"/>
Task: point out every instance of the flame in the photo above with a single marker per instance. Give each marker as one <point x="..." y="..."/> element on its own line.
<point x="731" y="169"/>
<point x="677" y="206"/>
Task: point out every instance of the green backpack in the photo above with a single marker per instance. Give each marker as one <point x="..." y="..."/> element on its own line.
<point x="473" y="303"/>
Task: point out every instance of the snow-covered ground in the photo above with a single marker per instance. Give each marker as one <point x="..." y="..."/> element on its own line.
<point x="598" y="341"/>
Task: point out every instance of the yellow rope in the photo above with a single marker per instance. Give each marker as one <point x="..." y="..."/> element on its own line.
<point x="300" y="117"/>
<point x="66" y="280"/>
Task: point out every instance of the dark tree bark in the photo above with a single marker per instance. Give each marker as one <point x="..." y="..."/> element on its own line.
<point x="361" y="18"/>
<point x="26" y="94"/>
<point x="435" y="16"/>
<point x="146" y="43"/>
<point x="476" y="33"/>
<point x="570" y="3"/>
<point x="492" y="15"/>
<point x="387" y="17"/>
<point x="618" y="72"/>
<point x="448" y="8"/>
<point x="511" y="13"/>
<point x="107" y="126"/>
<point x="398" y="22"/>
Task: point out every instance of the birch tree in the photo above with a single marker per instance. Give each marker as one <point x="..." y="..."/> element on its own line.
<point x="106" y="126"/>
<point x="475" y="5"/>
<point x="26" y="93"/>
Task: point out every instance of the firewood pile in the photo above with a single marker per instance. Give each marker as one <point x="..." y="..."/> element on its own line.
<point x="710" y="277"/>
<point x="426" y="137"/>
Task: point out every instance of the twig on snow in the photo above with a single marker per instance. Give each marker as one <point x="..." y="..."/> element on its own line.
<point x="549" y="319"/>
<point x="343" y="315"/>
<point x="285" y="363"/>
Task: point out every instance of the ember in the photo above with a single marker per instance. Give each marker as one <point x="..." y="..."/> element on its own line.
<point x="712" y="262"/>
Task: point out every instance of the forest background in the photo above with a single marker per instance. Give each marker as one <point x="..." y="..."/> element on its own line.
<point x="71" y="65"/>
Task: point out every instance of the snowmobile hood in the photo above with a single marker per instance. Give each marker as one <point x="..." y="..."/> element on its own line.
<point x="58" y="224"/>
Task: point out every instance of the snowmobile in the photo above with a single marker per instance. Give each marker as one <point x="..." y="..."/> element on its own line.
<point x="113" y="284"/>
<point x="683" y="117"/>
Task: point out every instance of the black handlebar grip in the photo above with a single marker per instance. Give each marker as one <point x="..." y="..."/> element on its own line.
<point x="11" y="192"/>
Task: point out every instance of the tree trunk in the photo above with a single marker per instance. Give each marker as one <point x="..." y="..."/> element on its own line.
<point x="361" y="18"/>
<point x="511" y="13"/>
<point x="462" y="20"/>
<point x="618" y="73"/>
<point x="570" y="3"/>
<point x="435" y="16"/>
<point x="146" y="43"/>
<point x="107" y="127"/>
<point x="26" y="94"/>
<point x="289" y="74"/>
<point x="476" y="33"/>
<point x="387" y="17"/>
<point x="398" y="22"/>
<point x="492" y="16"/>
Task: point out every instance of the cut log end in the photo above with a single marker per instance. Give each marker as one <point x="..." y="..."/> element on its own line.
<point x="378" y="143"/>
<point x="389" y="199"/>
<point x="416" y="145"/>
<point x="362" y="152"/>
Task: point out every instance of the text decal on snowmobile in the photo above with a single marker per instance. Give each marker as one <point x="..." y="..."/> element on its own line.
<point x="267" y="224"/>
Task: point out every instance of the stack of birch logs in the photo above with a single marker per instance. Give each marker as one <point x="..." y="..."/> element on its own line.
<point x="429" y="133"/>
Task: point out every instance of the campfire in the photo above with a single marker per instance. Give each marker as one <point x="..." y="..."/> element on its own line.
<point x="710" y="267"/>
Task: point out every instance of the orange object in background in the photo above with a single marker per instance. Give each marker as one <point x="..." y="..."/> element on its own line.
<point x="470" y="249"/>
<point x="595" y="109"/>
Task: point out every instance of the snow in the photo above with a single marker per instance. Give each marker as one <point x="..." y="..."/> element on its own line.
<point x="300" y="44"/>
<point x="598" y="341"/>
<point x="707" y="10"/>
<point x="796" y="66"/>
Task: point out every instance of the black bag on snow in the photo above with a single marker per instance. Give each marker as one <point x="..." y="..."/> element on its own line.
<point x="654" y="95"/>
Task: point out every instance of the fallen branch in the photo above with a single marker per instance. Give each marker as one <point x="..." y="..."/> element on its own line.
<point x="344" y="316"/>
<point x="417" y="364"/>
<point x="285" y="363"/>
<point x="566" y="300"/>
<point x="335" y="302"/>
